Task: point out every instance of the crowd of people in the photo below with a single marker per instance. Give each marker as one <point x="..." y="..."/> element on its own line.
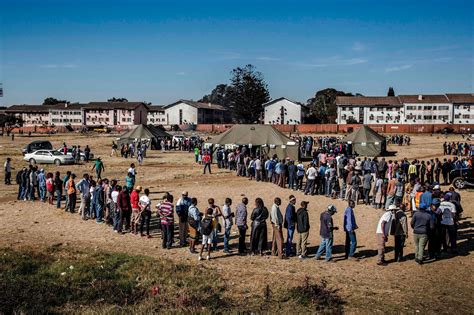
<point x="457" y="148"/>
<point x="128" y="209"/>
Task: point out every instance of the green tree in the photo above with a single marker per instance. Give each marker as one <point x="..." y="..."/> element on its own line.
<point x="391" y="91"/>
<point x="323" y="106"/>
<point x="53" y="101"/>
<point x="219" y="95"/>
<point x="247" y="94"/>
<point x="9" y="122"/>
<point x="351" y="120"/>
<point x="117" y="100"/>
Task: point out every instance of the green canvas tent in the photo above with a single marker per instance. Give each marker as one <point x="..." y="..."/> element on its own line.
<point x="143" y="132"/>
<point x="264" y="138"/>
<point x="366" y="142"/>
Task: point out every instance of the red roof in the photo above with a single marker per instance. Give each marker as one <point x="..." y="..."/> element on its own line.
<point x="368" y="101"/>
<point x="461" y="98"/>
<point x="424" y="99"/>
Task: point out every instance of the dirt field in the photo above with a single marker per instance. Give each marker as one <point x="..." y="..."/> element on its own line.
<point x="444" y="286"/>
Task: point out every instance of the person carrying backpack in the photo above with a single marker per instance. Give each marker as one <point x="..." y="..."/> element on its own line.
<point x="182" y="207"/>
<point x="208" y="225"/>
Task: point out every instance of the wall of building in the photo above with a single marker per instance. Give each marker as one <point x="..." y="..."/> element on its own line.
<point x="463" y="114"/>
<point x="65" y="116"/>
<point x="189" y="114"/>
<point x="156" y="118"/>
<point x="293" y="113"/>
<point x="436" y="113"/>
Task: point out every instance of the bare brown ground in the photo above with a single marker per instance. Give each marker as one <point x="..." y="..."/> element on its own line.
<point x="444" y="286"/>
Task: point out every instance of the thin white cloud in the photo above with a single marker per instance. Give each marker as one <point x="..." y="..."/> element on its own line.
<point x="182" y="73"/>
<point x="398" y="68"/>
<point x="267" y="58"/>
<point x="333" y="61"/>
<point x="358" y="47"/>
<point x="56" y="66"/>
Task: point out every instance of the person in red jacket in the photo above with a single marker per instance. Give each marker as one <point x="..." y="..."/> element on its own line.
<point x="134" y="200"/>
<point x="125" y="208"/>
<point x="206" y="160"/>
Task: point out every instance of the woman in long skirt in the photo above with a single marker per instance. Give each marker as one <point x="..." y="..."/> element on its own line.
<point x="258" y="235"/>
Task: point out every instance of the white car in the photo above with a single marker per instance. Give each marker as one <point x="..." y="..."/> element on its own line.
<point x="48" y="157"/>
<point x="178" y="138"/>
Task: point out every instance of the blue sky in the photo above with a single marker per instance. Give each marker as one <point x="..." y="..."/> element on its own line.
<point x="161" y="51"/>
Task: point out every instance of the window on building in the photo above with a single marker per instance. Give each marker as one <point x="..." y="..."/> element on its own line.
<point x="466" y="116"/>
<point x="180" y="116"/>
<point x="428" y="107"/>
<point x="443" y="107"/>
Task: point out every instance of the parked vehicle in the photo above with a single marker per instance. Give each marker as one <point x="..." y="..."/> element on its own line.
<point x="178" y="138"/>
<point x="461" y="178"/>
<point x="48" y="157"/>
<point x="37" y="145"/>
<point x="83" y="155"/>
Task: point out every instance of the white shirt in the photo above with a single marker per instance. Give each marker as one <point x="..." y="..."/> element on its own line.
<point x="145" y="202"/>
<point x="226" y="213"/>
<point x="258" y="164"/>
<point x="448" y="210"/>
<point x="8" y="168"/>
<point x="311" y="173"/>
<point x="132" y="170"/>
<point x="114" y="195"/>
<point x="387" y="218"/>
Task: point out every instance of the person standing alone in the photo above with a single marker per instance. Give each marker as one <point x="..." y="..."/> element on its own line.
<point x="350" y="226"/>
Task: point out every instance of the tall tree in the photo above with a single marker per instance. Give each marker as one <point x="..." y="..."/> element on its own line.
<point x="117" y="100"/>
<point x="323" y="105"/>
<point x="219" y="95"/>
<point x="53" y="101"/>
<point x="391" y="91"/>
<point x="247" y="94"/>
<point x="9" y="122"/>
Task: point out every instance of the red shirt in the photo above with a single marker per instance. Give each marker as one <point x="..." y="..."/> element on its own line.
<point x="206" y="158"/>
<point x="134" y="199"/>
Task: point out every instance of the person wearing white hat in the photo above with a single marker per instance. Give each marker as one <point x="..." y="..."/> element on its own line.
<point x="383" y="230"/>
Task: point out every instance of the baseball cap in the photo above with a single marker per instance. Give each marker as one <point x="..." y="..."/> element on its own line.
<point x="392" y="207"/>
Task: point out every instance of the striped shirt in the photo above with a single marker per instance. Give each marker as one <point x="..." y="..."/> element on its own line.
<point x="166" y="213"/>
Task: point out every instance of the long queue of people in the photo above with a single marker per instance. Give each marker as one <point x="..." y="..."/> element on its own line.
<point x="128" y="209"/>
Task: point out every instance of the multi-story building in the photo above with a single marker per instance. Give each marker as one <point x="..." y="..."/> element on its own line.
<point x="118" y="114"/>
<point x="156" y="115"/>
<point x="32" y="115"/>
<point x="185" y="112"/>
<point x="66" y="115"/>
<point x="406" y="109"/>
<point x="368" y="110"/>
<point x="463" y="108"/>
<point x="426" y="109"/>
<point x="283" y="111"/>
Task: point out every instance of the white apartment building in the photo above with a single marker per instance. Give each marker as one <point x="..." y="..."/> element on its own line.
<point x="406" y="109"/>
<point x="65" y="114"/>
<point x="282" y="111"/>
<point x="369" y="110"/>
<point x="426" y="109"/>
<point x="32" y="115"/>
<point x="463" y="108"/>
<point x="156" y="115"/>
<point x="186" y="112"/>
<point x="118" y="114"/>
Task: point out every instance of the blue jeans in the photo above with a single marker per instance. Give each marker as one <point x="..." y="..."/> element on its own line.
<point x="214" y="239"/>
<point x="226" y="239"/>
<point x="58" y="199"/>
<point x="98" y="212"/>
<point x="32" y="192"/>
<point x="92" y="209"/>
<point x="291" y="182"/>
<point x="351" y="244"/>
<point x="289" y="241"/>
<point x="23" y="192"/>
<point x="117" y="220"/>
<point x="42" y="192"/>
<point x="325" y="246"/>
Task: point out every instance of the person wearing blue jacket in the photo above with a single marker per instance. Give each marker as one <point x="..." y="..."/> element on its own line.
<point x="350" y="226"/>
<point x="289" y="224"/>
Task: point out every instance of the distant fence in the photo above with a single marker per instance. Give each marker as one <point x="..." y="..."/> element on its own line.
<point x="300" y="129"/>
<point x="345" y="128"/>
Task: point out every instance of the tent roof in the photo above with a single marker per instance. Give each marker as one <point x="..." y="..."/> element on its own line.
<point x="254" y="134"/>
<point x="144" y="132"/>
<point x="363" y="134"/>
